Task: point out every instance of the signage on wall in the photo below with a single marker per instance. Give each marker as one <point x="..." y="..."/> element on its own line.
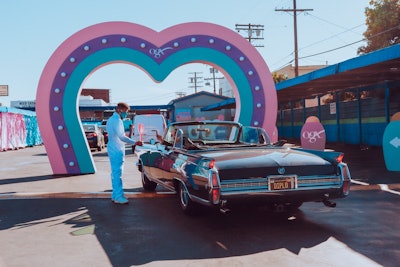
<point x="23" y="104"/>
<point x="183" y="114"/>
<point x="332" y="108"/>
<point x="3" y="90"/>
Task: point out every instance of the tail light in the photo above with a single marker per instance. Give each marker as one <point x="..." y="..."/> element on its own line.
<point x="90" y="135"/>
<point x="339" y="158"/>
<point x="215" y="189"/>
<point x="212" y="164"/>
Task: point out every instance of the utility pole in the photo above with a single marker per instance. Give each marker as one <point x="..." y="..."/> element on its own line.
<point x="296" y="51"/>
<point x="194" y="80"/>
<point x="213" y="71"/>
<point x="250" y="29"/>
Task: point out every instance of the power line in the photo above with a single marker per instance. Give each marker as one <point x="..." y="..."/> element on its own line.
<point x="334" y="24"/>
<point x="337" y="48"/>
<point x="333" y="36"/>
<point x="362" y="40"/>
<point x="323" y="40"/>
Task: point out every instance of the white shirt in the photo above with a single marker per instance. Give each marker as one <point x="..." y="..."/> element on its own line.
<point x="116" y="134"/>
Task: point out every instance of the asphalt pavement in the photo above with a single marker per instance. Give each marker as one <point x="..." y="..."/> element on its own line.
<point x="366" y="163"/>
<point x="28" y="187"/>
<point x="27" y="173"/>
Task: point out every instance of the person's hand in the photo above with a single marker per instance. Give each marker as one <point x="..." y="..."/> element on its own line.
<point x="159" y="137"/>
<point x="139" y="143"/>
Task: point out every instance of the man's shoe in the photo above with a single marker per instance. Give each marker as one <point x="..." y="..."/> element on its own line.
<point x="121" y="200"/>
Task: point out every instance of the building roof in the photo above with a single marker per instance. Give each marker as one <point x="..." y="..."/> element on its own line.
<point x="228" y="103"/>
<point x="289" y="70"/>
<point x="377" y="67"/>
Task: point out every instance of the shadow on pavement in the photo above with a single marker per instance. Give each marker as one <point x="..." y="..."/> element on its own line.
<point x="150" y="229"/>
<point x="32" y="179"/>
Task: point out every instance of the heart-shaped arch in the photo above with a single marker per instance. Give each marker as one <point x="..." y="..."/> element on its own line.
<point x="158" y="54"/>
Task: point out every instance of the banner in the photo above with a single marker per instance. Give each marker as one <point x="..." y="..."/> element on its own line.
<point x="18" y="129"/>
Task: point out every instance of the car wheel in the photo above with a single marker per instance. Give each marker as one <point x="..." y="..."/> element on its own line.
<point x="187" y="205"/>
<point x="147" y="184"/>
<point x="99" y="148"/>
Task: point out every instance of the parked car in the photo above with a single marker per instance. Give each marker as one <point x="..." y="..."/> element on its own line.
<point x="103" y="129"/>
<point x="94" y="136"/>
<point x="218" y="164"/>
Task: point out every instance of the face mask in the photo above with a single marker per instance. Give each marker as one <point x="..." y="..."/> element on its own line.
<point x="123" y="115"/>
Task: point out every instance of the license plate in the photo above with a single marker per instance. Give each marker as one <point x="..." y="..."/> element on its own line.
<point x="282" y="182"/>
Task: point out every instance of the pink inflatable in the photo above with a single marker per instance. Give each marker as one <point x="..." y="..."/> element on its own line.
<point x="313" y="134"/>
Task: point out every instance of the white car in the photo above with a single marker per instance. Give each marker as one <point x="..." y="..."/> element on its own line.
<point x="146" y="127"/>
<point x="94" y="136"/>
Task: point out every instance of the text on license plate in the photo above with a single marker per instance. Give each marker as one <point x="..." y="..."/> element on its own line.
<point x="279" y="182"/>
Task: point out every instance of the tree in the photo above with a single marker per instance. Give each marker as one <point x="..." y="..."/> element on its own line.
<point x="342" y="95"/>
<point x="279" y="77"/>
<point x="383" y="25"/>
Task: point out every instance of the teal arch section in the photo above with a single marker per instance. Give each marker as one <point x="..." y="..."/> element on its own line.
<point x="158" y="72"/>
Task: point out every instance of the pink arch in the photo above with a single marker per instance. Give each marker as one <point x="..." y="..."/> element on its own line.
<point x="52" y="68"/>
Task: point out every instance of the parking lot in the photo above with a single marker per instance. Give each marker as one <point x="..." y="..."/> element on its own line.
<point x="48" y="220"/>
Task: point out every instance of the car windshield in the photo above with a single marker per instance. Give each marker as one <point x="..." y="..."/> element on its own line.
<point x="254" y="135"/>
<point x="210" y="132"/>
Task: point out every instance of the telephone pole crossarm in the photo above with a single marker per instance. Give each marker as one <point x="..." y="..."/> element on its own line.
<point x="254" y="32"/>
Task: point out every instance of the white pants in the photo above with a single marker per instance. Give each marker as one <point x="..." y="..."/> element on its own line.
<point x="117" y="165"/>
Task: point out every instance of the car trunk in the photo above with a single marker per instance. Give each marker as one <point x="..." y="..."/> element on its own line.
<point x="260" y="162"/>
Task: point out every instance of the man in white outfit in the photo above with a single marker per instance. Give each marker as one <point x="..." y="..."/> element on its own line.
<point x="116" y="150"/>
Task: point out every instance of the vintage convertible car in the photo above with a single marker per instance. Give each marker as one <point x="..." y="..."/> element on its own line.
<point x="218" y="163"/>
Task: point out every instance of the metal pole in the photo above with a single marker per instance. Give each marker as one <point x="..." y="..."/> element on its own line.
<point x="338" y="117"/>
<point x="213" y="70"/>
<point x="296" y="52"/>
<point x="387" y="103"/>
<point x="359" y="116"/>
<point x="195" y="83"/>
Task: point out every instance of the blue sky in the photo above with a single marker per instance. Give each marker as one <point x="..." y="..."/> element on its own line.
<point x="32" y="30"/>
